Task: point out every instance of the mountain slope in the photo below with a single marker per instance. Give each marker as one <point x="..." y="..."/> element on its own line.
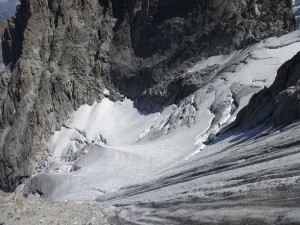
<point x="242" y="177"/>
<point x="179" y="166"/>
<point x="110" y="135"/>
<point x="73" y="50"/>
<point x="169" y="110"/>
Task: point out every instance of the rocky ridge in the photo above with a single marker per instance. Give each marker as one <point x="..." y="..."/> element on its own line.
<point x="139" y="49"/>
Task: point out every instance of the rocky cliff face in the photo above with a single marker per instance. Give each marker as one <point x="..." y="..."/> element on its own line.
<point x="62" y="54"/>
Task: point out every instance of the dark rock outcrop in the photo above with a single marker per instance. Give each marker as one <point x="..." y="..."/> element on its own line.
<point x="62" y="54"/>
<point x="278" y="105"/>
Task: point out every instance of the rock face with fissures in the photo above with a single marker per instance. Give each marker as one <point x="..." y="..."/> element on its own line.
<point x="60" y="55"/>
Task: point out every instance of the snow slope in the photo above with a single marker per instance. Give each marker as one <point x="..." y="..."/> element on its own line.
<point x="106" y="148"/>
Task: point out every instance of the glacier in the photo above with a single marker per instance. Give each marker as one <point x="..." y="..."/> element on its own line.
<point x="108" y="146"/>
<point x="153" y="164"/>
